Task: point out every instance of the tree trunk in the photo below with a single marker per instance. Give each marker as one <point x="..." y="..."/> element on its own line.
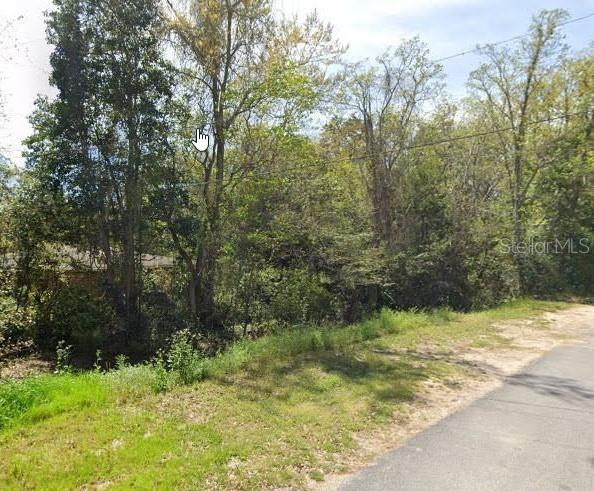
<point x="517" y="247"/>
<point x="206" y="263"/>
<point x="382" y="206"/>
<point x="130" y="270"/>
<point x="517" y="209"/>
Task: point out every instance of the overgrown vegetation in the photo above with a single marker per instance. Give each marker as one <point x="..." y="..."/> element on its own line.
<point x="266" y="413"/>
<point x="242" y="312"/>
<point x="119" y="237"/>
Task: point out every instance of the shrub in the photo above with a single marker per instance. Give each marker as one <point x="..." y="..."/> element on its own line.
<point x="63" y="356"/>
<point x="186" y="363"/>
<point x="121" y="361"/>
<point x="300" y="298"/>
<point x="161" y="313"/>
<point x="15" y="323"/>
<point x="161" y="379"/>
<point x="76" y="316"/>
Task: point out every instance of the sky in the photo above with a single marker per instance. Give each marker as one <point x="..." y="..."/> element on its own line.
<point x="368" y="27"/>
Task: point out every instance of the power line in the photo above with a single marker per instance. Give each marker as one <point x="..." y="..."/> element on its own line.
<point x="449" y="57"/>
<point x="509" y="40"/>
<point x="462" y="53"/>
<point x="269" y="175"/>
<point x="454" y="139"/>
<point x="492" y="132"/>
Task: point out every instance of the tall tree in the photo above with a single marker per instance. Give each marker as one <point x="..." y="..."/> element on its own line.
<point x="388" y="99"/>
<point x="513" y="90"/>
<point x="245" y="67"/>
<point x="565" y="191"/>
<point x="98" y="141"/>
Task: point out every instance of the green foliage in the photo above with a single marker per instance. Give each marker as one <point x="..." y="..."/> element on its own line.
<point x="63" y="357"/>
<point x="161" y="380"/>
<point x="16" y="323"/>
<point x="276" y="227"/>
<point x="184" y="361"/>
<point x="274" y="239"/>
<point x="162" y="309"/>
<point x="121" y="361"/>
<point x="76" y="316"/>
<point x="300" y="298"/>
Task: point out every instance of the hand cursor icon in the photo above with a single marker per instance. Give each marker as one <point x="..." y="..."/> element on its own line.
<point x="201" y="141"/>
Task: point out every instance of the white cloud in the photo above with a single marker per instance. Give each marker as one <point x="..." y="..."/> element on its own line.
<point x="367" y="26"/>
<point x="24" y="58"/>
<point x="360" y="23"/>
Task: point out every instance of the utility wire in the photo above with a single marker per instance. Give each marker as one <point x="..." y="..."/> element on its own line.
<point x="455" y="55"/>
<point x="268" y="175"/>
<point x="440" y="142"/>
<point x="449" y="57"/>
<point x="492" y="132"/>
<point x="509" y="40"/>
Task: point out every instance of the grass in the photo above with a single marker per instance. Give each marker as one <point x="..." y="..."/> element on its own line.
<point x="39" y="398"/>
<point x="270" y="412"/>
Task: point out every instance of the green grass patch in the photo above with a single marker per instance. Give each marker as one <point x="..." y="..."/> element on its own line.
<point x="269" y="413"/>
<point x="42" y="397"/>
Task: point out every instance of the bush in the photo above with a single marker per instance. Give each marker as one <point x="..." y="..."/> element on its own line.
<point x="300" y="298"/>
<point x="161" y="312"/>
<point x="76" y="316"/>
<point x="161" y="379"/>
<point x="15" y="323"/>
<point x="185" y="362"/>
<point x="456" y="275"/>
<point x="63" y="357"/>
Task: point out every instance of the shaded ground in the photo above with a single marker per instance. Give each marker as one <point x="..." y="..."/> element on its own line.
<point x="21" y="367"/>
<point x="485" y="438"/>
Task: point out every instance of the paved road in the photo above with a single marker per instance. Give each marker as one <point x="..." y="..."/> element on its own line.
<point x="536" y="432"/>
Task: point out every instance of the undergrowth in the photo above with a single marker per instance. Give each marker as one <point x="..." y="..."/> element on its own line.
<point x="37" y="398"/>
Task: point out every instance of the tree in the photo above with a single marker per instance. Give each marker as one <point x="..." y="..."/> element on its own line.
<point x="389" y="99"/>
<point x="245" y="68"/>
<point x="99" y="140"/>
<point x="8" y="179"/>
<point x="565" y="195"/>
<point x="513" y="90"/>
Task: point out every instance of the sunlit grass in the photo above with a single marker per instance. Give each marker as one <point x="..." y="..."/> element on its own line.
<point x="42" y="397"/>
<point x="270" y="413"/>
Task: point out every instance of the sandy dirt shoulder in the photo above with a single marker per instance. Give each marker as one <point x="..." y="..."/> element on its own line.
<point x="528" y="339"/>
